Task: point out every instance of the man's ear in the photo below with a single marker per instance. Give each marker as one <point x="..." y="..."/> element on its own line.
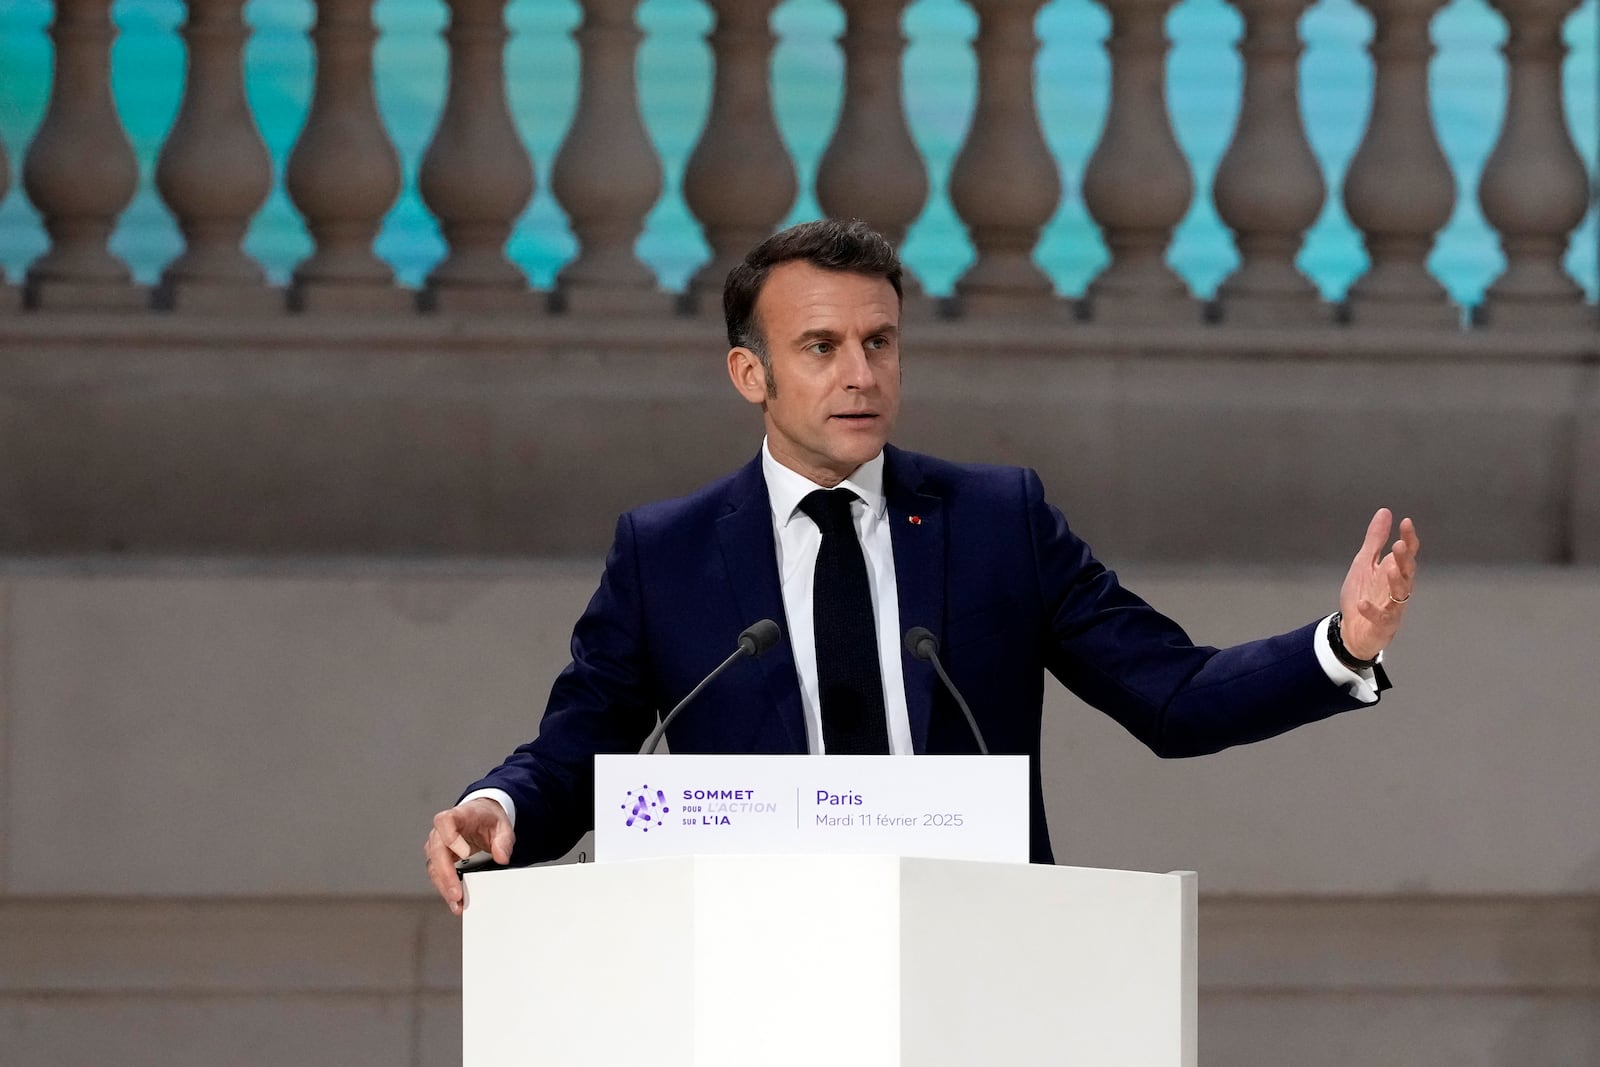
<point x="749" y="377"/>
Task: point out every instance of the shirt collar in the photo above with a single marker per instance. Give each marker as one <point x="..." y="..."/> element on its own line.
<point x="786" y="488"/>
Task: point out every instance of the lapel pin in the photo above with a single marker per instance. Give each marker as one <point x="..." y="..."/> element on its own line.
<point x="915" y="520"/>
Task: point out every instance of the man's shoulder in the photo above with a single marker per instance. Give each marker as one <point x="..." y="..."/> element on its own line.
<point x="705" y="504"/>
<point x="923" y="473"/>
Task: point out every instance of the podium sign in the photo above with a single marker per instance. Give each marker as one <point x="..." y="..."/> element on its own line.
<point x="933" y="807"/>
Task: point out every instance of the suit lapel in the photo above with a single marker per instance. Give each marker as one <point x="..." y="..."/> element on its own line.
<point x="751" y="558"/>
<point x="917" y="532"/>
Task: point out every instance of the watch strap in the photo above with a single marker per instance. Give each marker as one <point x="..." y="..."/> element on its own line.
<point x="1342" y="654"/>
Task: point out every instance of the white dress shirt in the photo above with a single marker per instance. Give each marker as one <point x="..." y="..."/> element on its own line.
<point x="798" y="538"/>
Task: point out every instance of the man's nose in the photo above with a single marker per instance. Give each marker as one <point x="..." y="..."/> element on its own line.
<point x="855" y="369"/>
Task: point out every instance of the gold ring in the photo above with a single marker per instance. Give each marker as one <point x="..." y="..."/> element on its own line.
<point x="1396" y="600"/>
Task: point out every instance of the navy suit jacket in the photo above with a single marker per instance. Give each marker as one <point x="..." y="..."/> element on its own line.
<point x="981" y="559"/>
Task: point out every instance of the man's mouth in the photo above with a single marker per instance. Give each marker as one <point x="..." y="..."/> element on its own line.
<point x="857" y="416"/>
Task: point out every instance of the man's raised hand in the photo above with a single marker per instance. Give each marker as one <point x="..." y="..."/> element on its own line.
<point x="479" y="825"/>
<point x="1375" y="591"/>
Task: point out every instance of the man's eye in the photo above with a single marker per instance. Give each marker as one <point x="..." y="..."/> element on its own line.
<point x="822" y="348"/>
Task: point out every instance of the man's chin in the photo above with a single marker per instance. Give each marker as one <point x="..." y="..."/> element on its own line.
<point x="858" y="452"/>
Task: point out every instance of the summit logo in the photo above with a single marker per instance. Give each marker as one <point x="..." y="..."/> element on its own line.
<point x="644" y="808"/>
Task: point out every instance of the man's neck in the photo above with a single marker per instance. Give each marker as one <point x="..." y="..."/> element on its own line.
<point x="826" y="479"/>
<point x="787" y="486"/>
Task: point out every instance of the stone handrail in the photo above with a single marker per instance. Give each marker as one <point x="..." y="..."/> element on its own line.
<point x="344" y="174"/>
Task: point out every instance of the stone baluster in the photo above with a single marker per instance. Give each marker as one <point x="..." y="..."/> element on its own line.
<point x="872" y="169"/>
<point x="1399" y="190"/>
<point x="739" y="181"/>
<point x="1004" y="185"/>
<point x="344" y="173"/>
<point x="1534" y="188"/>
<point x="476" y="175"/>
<point x="1137" y="185"/>
<point x="1269" y="188"/>
<point x="606" y="175"/>
<point x="8" y="294"/>
<point x="80" y="171"/>
<point x="215" y="172"/>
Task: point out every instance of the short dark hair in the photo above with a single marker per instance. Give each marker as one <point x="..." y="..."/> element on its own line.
<point x="847" y="245"/>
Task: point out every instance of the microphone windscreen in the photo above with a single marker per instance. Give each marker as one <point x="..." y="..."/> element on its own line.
<point x="760" y="636"/>
<point x="921" y="643"/>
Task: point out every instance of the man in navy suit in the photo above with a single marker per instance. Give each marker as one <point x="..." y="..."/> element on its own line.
<point x="973" y="553"/>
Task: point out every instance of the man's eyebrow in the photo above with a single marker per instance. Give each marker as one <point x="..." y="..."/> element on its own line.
<point x="824" y="333"/>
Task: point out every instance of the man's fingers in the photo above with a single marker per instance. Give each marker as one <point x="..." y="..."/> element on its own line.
<point x="1408" y="536"/>
<point x="1404" y="554"/>
<point x="442" y="871"/>
<point x="1379" y="584"/>
<point x="443" y="877"/>
<point x="435" y="851"/>
<point x="1377" y="534"/>
<point x="1379" y="615"/>
<point x="452" y="834"/>
<point x="485" y="826"/>
<point x="1405" y="561"/>
<point x="459" y="832"/>
<point x="504" y="839"/>
<point x="451" y="893"/>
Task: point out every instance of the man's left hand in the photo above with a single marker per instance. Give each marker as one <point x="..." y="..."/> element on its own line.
<point x="1376" y="589"/>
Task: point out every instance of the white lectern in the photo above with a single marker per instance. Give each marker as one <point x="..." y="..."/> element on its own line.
<point x="859" y="961"/>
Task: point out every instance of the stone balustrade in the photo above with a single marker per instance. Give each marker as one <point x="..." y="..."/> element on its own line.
<point x="344" y="412"/>
<point x="740" y="182"/>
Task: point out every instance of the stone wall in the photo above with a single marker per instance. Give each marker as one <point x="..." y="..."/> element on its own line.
<point x="215" y="778"/>
<point x="444" y="437"/>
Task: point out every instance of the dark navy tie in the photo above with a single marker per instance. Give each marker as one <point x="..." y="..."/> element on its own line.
<point x="849" y="682"/>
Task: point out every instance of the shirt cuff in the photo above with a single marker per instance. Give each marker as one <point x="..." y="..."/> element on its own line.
<point x="1363" y="685"/>
<point x="502" y="798"/>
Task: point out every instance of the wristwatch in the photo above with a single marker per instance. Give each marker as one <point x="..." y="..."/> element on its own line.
<point x="1342" y="654"/>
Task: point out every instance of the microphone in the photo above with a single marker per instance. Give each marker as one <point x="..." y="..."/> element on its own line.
<point x="921" y="643"/>
<point x="756" y="639"/>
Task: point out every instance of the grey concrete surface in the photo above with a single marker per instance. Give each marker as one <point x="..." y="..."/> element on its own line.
<point x="216" y="947"/>
<point x="1414" y="981"/>
<point x="1466" y="944"/>
<point x="1419" y="1029"/>
<point x="291" y="732"/>
<point x="306" y="1030"/>
<point x="219" y="775"/>
<point x="6" y="774"/>
<point x="1469" y="777"/>
<point x="249" y="736"/>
